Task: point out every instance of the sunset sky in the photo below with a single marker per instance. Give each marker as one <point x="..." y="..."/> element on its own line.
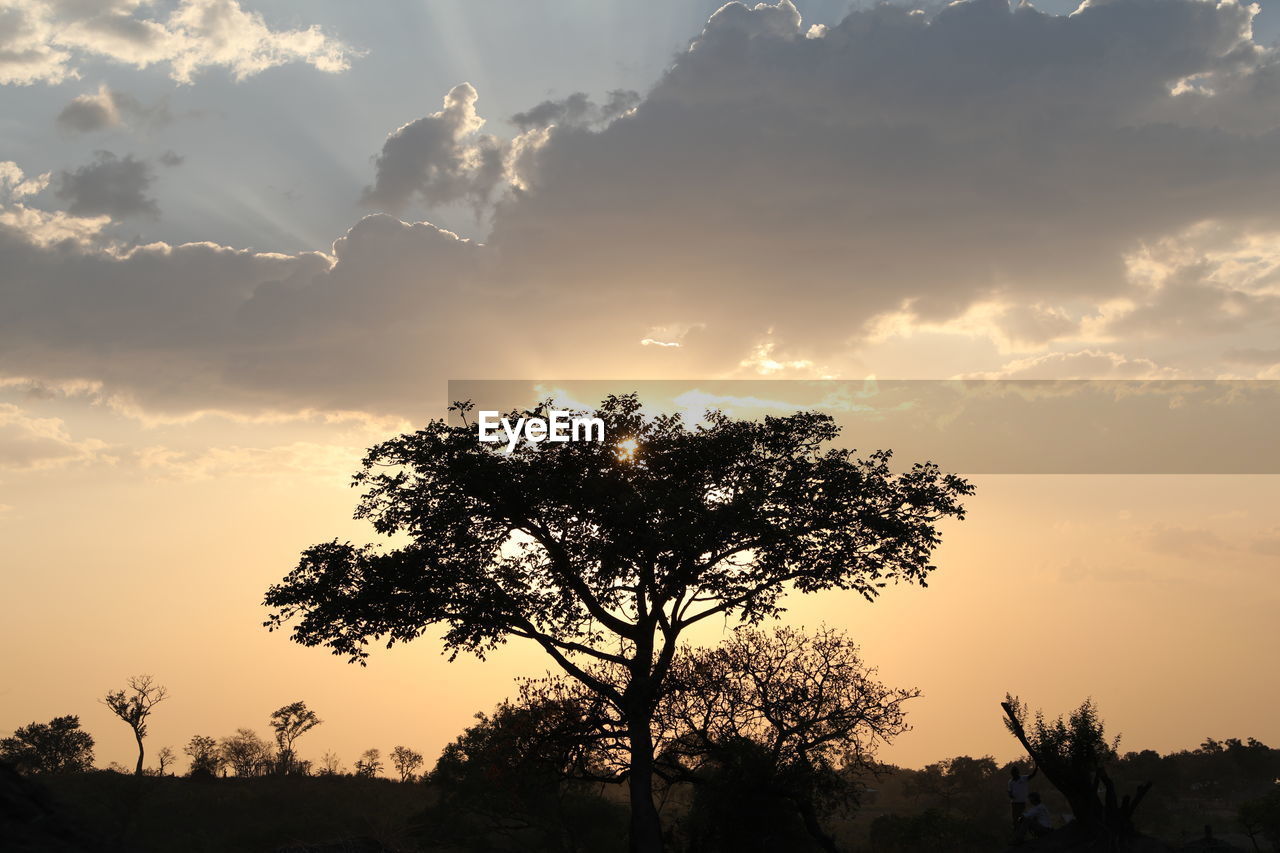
<point x="242" y="241"/>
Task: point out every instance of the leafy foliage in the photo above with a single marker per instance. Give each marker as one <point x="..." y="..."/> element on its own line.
<point x="58" y="746"/>
<point x="1073" y="753"/>
<point x="369" y="764"/>
<point x="406" y="762"/>
<point x="1071" y="747"/>
<point x="507" y="783"/>
<point x="247" y="754"/>
<point x="932" y="829"/>
<point x="206" y="757"/>
<point x="604" y="558"/>
<point x="290" y="723"/>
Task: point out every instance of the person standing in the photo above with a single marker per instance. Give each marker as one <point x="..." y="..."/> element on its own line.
<point x="1019" y="787"/>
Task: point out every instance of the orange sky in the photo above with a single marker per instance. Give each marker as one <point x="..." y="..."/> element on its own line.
<point x="1152" y="594"/>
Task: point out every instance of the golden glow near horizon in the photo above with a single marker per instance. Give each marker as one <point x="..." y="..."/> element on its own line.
<point x="157" y="564"/>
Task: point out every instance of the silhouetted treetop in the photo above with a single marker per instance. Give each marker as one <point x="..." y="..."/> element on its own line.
<point x="605" y="557"/>
<point x="134" y="706"/>
<point x="289" y="723"/>
<point x="58" y="746"/>
<point x="567" y="540"/>
<point x="1073" y="753"/>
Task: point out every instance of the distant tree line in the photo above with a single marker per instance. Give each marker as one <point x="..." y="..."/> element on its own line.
<point x="60" y="746"/>
<point x="746" y="763"/>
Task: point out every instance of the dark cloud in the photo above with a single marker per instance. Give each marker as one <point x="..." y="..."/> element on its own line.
<point x="440" y="158"/>
<point x="89" y="113"/>
<point x="108" y="108"/>
<point x="578" y="109"/>
<point x="897" y="162"/>
<point x="186" y="327"/>
<point x="778" y="195"/>
<point x="110" y="186"/>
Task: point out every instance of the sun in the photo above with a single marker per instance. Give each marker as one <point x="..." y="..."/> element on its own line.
<point x="627" y="449"/>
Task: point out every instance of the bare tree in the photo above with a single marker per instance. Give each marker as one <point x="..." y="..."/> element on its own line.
<point x="165" y="759"/>
<point x="134" y="705"/>
<point x="331" y="764"/>
<point x="406" y="761"/>
<point x="785" y="717"/>
<point x="290" y="723"/>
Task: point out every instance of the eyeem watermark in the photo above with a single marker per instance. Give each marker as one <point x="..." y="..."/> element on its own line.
<point x="560" y="425"/>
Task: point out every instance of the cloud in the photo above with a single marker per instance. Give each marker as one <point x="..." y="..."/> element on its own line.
<point x="903" y="163"/>
<point x="174" y="329"/>
<point x="577" y="109"/>
<point x="440" y="158"/>
<point x="310" y="459"/>
<point x="1084" y="364"/>
<point x="39" y="228"/>
<point x="28" y="442"/>
<point x="784" y="197"/>
<point x="1210" y="279"/>
<point x="109" y="186"/>
<point x="1185" y="542"/>
<point x="1265" y="357"/>
<point x="40" y="40"/>
<point x="107" y="109"/>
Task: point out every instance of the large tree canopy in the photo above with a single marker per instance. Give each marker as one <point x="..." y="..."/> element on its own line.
<point x="603" y="556"/>
<point x="58" y="746"/>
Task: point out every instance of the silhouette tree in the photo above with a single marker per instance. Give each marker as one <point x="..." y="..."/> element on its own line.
<point x="774" y="729"/>
<point x="246" y="753"/>
<point x="165" y="759"/>
<point x="406" y="761"/>
<point x="1261" y="816"/>
<point x="134" y="705"/>
<point x="606" y="556"/>
<point x="798" y="714"/>
<point x="331" y="764"/>
<point x="1073" y="753"/>
<point x="369" y="764"/>
<point x="958" y="784"/>
<point x="512" y="781"/>
<point x="290" y="723"/>
<point x="206" y="758"/>
<point x="58" y="746"/>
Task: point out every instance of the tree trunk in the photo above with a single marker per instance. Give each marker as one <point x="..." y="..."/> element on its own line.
<point x="138" y="770"/>
<point x="811" y="824"/>
<point x="646" y="825"/>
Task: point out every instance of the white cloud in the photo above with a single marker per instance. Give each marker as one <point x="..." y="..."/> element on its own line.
<point x="40" y="40"/>
<point x="38" y="227"/>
